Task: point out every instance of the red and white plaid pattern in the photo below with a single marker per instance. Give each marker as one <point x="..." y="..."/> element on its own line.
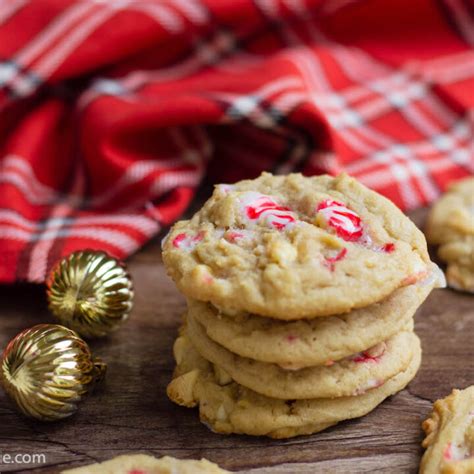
<point x="112" y="112"/>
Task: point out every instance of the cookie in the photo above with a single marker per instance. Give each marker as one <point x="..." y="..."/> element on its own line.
<point x="449" y="433"/>
<point x="141" y="464"/>
<point x="305" y="343"/>
<point x="346" y="377"/>
<point x="451" y="226"/>
<point x="459" y="256"/>
<point x="227" y="407"/>
<point x="290" y="247"/>
<point x="451" y="218"/>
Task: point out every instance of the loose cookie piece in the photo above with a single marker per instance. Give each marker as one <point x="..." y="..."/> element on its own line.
<point x="290" y="247"/>
<point x="317" y="341"/>
<point x="350" y="376"/>
<point x="449" y="432"/>
<point x="451" y="226"/>
<point x="227" y="407"/>
<point x="143" y="464"/>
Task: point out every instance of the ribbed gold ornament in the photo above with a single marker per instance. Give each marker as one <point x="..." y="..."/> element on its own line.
<point x="46" y="371"/>
<point x="90" y="292"/>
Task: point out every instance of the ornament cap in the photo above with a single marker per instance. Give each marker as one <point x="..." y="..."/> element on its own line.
<point x="100" y="370"/>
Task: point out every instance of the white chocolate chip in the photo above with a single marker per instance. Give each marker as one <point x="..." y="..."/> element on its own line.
<point x="282" y="252"/>
<point x="221" y="414"/>
<point x="222" y="377"/>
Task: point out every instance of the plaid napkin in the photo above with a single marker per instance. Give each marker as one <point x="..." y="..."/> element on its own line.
<point x="113" y="111"/>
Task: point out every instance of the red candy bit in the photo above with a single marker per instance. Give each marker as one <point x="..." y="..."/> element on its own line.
<point x="447" y="453"/>
<point x="414" y="278"/>
<point x="234" y="236"/>
<point x="136" y="471"/>
<point x="389" y="248"/>
<point x="374" y="354"/>
<point x="208" y="279"/>
<point x="274" y="214"/>
<point x="291" y="338"/>
<point x="178" y="240"/>
<point x="346" y="223"/>
<point x="365" y="357"/>
<point x="331" y="261"/>
<point x="187" y="242"/>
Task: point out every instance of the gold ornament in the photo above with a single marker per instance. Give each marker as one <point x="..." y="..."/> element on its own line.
<point x="46" y="371"/>
<point x="90" y="292"/>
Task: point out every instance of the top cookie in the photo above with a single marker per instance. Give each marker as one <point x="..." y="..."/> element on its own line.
<point x="292" y="247"/>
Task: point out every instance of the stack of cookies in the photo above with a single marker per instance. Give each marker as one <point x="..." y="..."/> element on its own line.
<point x="451" y="226"/>
<point x="301" y="294"/>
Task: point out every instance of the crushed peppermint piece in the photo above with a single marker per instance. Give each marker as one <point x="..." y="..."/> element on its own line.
<point x="184" y="241"/>
<point x="386" y="248"/>
<point x="365" y="357"/>
<point x="291" y="338"/>
<point x="415" y="278"/>
<point x="331" y="261"/>
<point x="262" y="208"/>
<point x="234" y="236"/>
<point x="374" y="354"/>
<point x="447" y="454"/>
<point x="455" y="452"/>
<point x="346" y="223"/>
<point x="237" y="236"/>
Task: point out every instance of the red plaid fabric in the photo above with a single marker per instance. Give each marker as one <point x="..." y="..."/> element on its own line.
<point x="113" y="111"/>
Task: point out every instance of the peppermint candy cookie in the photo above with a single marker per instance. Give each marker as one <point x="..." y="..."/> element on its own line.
<point x="449" y="433"/>
<point x="451" y="226"/>
<point x="318" y="341"/>
<point x="227" y="407"/>
<point x="349" y="376"/>
<point x="143" y="464"/>
<point x="290" y="247"/>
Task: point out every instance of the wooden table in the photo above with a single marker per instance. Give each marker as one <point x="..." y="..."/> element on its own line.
<point x="131" y="413"/>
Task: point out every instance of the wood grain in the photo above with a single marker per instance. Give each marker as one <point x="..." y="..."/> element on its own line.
<point x="131" y="413"/>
